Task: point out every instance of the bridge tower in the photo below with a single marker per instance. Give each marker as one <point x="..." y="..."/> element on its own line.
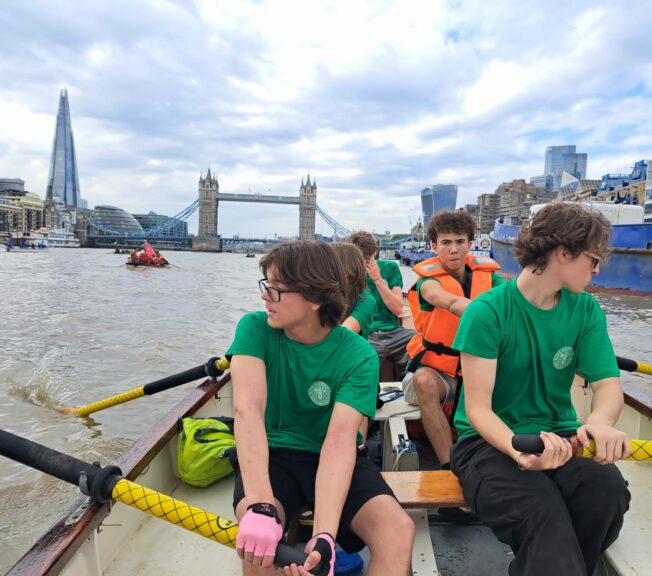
<point x="307" y="205"/>
<point x="207" y="239"/>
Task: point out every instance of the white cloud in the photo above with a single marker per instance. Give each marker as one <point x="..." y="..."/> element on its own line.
<point x="376" y="100"/>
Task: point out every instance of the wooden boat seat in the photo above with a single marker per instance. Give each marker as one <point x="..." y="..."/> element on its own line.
<point x="426" y="489"/>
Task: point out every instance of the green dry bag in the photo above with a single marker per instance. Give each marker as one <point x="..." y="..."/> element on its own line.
<point x="203" y="449"/>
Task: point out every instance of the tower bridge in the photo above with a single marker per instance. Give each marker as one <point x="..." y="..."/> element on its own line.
<point x="210" y="196"/>
<point x="166" y="235"/>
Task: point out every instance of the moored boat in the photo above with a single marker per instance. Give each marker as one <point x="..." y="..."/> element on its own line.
<point x="35" y="240"/>
<point x="93" y="539"/>
<point x="628" y="268"/>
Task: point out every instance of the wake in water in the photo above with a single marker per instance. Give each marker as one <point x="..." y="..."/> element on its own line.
<point x="50" y="384"/>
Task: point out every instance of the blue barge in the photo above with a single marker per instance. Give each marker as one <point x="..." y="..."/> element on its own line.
<point x="628" y="268"/>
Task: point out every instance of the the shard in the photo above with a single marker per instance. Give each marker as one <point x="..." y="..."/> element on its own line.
<point x="64" y="178"/>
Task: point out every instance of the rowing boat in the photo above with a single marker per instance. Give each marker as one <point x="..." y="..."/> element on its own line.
<point x="92" y="540"/>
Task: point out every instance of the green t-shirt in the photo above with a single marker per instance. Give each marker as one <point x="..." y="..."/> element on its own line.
<point x="496" y="280"/>
<point x="363" y="311"/>
<point x="384" y="319"/>
<point x="305" y="381"/>
<point x="538" y="352"/>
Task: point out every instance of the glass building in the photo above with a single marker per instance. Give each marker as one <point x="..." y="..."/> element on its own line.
<point x="165" y="225"/>
<point x="112" y="221"/>
<point x="64" y="178"/>
<point x="560" y="159"/>
<point x="437" y="198"/>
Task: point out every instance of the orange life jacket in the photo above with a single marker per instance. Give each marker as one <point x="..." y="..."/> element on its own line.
<point x="436" y="329"/>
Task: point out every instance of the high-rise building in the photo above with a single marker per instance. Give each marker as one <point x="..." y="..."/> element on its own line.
<point x="437" y="198"/>
<point x="560" y="159"/>
<point x="488" y="211"/>
<point x="64" y="178"/>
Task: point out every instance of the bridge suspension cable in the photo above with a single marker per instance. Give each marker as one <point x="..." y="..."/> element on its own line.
<point x="336" y="226"/>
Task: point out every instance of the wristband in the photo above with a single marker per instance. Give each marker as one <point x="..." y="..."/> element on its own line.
<point x="265" y="509"/>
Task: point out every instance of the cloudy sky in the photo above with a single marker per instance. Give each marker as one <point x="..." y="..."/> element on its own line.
<point x="374" y="99"/>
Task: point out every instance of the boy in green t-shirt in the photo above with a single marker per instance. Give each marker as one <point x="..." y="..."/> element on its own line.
<point x="302" y="384"/>
<point x="385" y="282"/>
<point x="521" y="345"/>
<point x="444" y="288"/>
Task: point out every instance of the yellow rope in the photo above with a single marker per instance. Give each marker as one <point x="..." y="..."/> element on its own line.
<point x="641" y="450"/>
<point x="176" y="512"/>
<point x="108" y="402"/>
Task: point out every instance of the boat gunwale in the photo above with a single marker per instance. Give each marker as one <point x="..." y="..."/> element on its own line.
<point x="54" y="549"/>
<point x="637" y="399"/>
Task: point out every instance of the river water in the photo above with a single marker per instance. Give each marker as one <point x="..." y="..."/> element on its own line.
<point x="77" y="326"/>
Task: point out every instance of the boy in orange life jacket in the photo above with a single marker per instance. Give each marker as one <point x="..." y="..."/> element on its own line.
<point x="446" y="285"/>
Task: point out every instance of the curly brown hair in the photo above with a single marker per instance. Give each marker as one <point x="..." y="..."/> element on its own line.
<point x="448" y="222"/>
<point x="572" y="226"/>
<point x="365" y="241"/>
<point x="311" y="268"/>
<point x="354" y="270"/>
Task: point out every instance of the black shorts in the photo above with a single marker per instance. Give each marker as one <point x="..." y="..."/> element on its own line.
<point x="292" y="474"/>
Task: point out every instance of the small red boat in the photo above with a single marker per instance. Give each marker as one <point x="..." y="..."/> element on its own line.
<point x="147" y="257"/>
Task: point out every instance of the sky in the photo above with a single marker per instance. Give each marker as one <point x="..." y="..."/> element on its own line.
<point x="375" y="100"/>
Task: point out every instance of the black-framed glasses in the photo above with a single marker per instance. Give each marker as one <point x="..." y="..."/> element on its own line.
<point x="595" y="259"/>
<point x="273" y="293"/>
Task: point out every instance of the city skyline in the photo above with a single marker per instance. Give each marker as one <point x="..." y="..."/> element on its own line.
<point x="377" y="102"/>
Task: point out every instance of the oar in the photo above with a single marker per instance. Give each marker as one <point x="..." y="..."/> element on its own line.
<point x="213" y="368"/>
<point x="633" y="366"/>
<point x="641" y="450"/>
<point x="104" y="484"/>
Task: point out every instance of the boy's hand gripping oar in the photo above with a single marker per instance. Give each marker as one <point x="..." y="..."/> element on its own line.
<point x="213" y="368"/>
<point x="104" y="484"/>
<point x="641" y="450"/>
<point x="633" y="366"/>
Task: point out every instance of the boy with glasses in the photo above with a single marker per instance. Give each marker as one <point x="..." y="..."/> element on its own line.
<point x="521" y="345"/>
<point x="302" y="384"/>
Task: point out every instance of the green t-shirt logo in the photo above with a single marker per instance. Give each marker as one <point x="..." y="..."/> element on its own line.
<point x="319" y="393"/>
<point x="563" y="357"/>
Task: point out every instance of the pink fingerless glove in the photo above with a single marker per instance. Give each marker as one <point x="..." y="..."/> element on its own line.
<point x="325" y="545"/>
<point x="259" y="530"/>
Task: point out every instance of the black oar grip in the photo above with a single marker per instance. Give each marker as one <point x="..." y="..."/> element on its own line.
<point x="286" y="555"/>
<point x="627" y="364"/>
<point x="528" y="443"/>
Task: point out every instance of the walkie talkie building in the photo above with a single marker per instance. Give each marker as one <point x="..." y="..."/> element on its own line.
<point x="64" y="178"/>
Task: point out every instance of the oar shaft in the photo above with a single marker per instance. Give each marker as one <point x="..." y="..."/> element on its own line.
<point x="103" y="484"/>
<point x="52" y="462"/>
<point x="112" y="401"/>
<point x="208" y="369"/>
<point x="633" y="366"/>
<point x="213" y="368"/>
<point x="640" y="450"/>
